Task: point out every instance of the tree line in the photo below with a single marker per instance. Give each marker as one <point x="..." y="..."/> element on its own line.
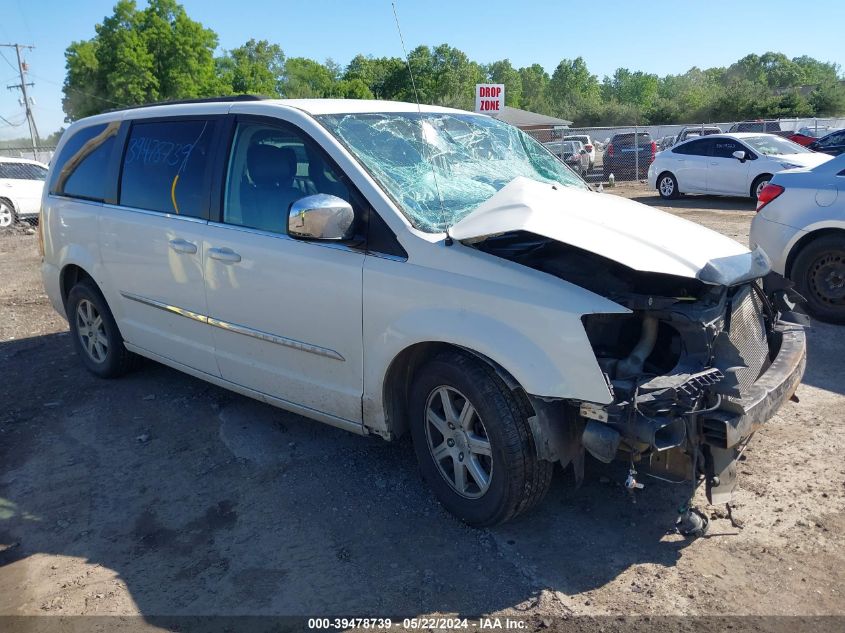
<point x="159" y="53"/>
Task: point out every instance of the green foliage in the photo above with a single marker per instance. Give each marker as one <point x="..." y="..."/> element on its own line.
<point x="138" y="57"/>
<point x="254" y="68"/>
<point x="502" y="72"/>
<point x="159" y="53"/>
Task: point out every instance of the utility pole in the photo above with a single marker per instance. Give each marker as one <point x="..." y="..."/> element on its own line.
<point x="30" y="117"/>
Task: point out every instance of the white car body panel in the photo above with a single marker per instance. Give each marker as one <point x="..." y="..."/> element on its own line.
<point x="307" y="293"/>
<point x="724" y="176"/>
<point x="640" y="237"/>
<point x="812" y="200"/>
<point x="139" y="263"/>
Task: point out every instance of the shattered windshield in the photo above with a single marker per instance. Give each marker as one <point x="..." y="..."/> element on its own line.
<point x="440" y="167"/>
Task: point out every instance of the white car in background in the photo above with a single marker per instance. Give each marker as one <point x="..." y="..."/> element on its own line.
<point x="739" y="164"/>
<point x="800" y="224"/>
<point x="21" y="185"/>
<point x="588" y="144"/>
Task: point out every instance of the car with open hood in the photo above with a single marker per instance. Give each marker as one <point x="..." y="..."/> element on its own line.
<point x="389" y="268"/>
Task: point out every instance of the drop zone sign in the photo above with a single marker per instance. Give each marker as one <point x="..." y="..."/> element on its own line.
<point x="490" y="98"/>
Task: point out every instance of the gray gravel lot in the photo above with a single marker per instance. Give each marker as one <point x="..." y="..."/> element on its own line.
<point x="159" y="494"/>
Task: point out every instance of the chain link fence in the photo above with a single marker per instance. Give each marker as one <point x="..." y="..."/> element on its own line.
<point x="625" y="152"/>
<point x="21" y="184"/>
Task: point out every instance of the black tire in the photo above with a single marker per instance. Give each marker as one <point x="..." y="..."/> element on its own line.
<point x="675" y="193"/>
<point x="819" y="275"/>
<point x="518" y="479"/>
<point x="116" y="359"/>
<point x="762" y="178"/>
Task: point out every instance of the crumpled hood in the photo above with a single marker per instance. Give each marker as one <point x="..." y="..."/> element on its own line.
<point x="619" y="229"/>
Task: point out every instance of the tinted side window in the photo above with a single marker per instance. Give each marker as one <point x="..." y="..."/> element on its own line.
<point x="22" y="171"/>
<point x="270" y="168"/>
<point x="165" y="165"/>
<point x="833" y="139"/>
<point x="700" y="147"/>
<point x="82" y="168"/>
<point x="724" y="148"/>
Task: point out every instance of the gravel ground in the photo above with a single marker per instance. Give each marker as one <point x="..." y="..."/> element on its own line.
<point x="159" y="494"/>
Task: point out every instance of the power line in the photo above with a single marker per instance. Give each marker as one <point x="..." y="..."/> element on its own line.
<point x="6" y="59"/>
<point x="9" y="123"/>
<point x="82" y="92"/>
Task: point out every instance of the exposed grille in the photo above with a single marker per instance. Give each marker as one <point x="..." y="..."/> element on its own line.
<point x="748" y="334"/>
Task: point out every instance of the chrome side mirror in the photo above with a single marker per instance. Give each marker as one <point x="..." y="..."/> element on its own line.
<point x="321" y="217"/>
<point x="739" y="155"/>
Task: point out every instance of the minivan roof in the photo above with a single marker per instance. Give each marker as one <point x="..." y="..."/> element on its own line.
<point x="311" y="106"/>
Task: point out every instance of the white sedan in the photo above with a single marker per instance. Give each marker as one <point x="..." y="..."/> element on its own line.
<point x="800" y="224"/>
<point x="21" y="184"/>
<point x="739" y="164"/>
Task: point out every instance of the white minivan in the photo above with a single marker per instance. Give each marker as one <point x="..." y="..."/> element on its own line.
<point x="389" y="268"/>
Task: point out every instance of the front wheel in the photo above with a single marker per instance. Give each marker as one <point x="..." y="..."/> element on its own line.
<point x="819" y="275"/>
<point x="667" y="186"/>
<point x="473" y="443"/>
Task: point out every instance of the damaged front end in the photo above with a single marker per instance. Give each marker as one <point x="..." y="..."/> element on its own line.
<point x="693" y="370"/>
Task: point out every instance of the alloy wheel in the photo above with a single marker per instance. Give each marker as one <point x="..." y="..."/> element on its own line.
<point x="6" y="215"/>
<point x="91" y="331"/>
<point x="458" y="442"/>
<point x="760" y="186"/>
<point x="667" y="186"/>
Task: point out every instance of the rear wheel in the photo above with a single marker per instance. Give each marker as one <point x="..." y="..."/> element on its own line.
<point x="819" y="275"/>
<point x="473" y="442"/>
<point x="7" y="214"/>
<point x="96" y="338"/>
<point x="759" y="183"/>
<point x="667" y="186"/>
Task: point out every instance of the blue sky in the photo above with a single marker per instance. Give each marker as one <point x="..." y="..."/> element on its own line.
<point x="658" y="36"/>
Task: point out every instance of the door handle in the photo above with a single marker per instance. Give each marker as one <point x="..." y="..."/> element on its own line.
<point x="225" y="255"/>
<point x="183" y="246"/>
<point x="713" y="162"/>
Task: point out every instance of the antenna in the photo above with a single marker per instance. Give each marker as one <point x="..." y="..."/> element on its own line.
<point x="419" y="111"/>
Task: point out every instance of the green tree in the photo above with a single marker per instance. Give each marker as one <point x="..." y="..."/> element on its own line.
<point x="828" y="99"/>
<point x="257" y="67"/>
<point x="140" y="56"/>
<point x="572" y="90"/>
<point x="380" y="75"/>
<point x="535" y="83"/>
<point x="502" y="72"/>
<point x="305" y="78"/>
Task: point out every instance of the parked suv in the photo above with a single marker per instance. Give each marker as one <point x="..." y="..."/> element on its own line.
<point x="390" y="269"/>
<point x="627" y="156"/>
<point x="696" y="130"/>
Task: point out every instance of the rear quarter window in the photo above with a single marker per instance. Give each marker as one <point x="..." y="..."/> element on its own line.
<point x="82" y="168"/>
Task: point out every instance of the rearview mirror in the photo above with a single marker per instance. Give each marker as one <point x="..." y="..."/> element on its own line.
<point x="321" y="217"/>
<point x="739" y="155"/>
